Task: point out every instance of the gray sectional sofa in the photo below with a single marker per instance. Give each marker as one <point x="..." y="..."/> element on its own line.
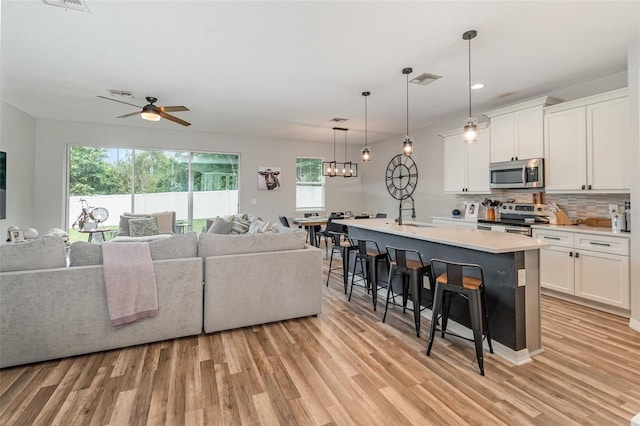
<point x="49" y="310"/>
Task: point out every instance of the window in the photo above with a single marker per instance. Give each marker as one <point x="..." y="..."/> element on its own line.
<point x="309" y="184"/>
<point x="196" y="185"/>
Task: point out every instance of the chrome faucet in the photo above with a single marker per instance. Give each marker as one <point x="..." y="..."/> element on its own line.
<point x="400" y="209"/>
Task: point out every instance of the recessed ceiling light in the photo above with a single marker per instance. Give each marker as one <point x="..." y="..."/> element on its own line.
<point x="477" y="86"/>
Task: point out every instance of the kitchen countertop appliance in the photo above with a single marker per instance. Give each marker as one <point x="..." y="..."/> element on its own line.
<point x="516" y="218"/>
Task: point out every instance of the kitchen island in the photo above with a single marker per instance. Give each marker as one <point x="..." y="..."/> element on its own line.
<point x="510" y="264"/>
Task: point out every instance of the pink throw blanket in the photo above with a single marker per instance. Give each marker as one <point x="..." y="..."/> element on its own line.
<point x="130" y="282"/>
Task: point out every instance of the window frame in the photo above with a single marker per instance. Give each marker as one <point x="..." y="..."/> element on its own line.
<point x="321" y="184"/>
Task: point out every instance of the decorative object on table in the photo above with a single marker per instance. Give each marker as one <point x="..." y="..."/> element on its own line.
<point x="401" y="176"/>
<point x="471" y="211"/>
<point x="90" y="214"/>
<point x="455" y="213"/>
<point x="268" y="178"/>
<point x="407" y="145"/>
<point x="470" y="133"/>
<point x="9" y="229"/>
<point x="16" y="235"/>
<point x="30" y="234"/>
<point x="366" y="152"/>
<point x="491" y="206"/>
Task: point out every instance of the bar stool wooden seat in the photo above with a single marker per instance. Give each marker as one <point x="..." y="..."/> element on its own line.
<point x="340" y="243"/>
<point x="409" y="264"/>
<point x="369" y="256"/>
<point x="467" y="280"/>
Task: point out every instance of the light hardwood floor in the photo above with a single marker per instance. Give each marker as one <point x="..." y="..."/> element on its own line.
<point x="342" y="367"/>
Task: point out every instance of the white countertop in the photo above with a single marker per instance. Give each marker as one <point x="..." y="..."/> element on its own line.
<point x="461" y="219"/>
<point x="487" y="241"/>
<point x="584" y="229"/>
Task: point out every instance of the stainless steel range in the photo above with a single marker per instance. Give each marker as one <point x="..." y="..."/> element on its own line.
<point x="516" y="218"/>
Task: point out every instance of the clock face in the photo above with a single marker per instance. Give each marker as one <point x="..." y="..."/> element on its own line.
<point x="401" y="177"/>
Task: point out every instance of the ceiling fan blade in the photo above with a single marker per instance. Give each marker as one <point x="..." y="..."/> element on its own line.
<point x="173" y="108"/>
<point x="115" y="100"/>
<point x="172" y="118"/>
<point x="129" y="115"/>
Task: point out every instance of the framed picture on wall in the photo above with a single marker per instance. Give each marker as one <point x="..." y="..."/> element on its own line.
<point x="269" y="178"/>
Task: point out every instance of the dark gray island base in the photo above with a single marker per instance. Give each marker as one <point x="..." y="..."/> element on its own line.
<point x="510" y="264"/>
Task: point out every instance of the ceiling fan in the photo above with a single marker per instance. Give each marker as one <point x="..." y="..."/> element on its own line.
<point x="153" y="112"/>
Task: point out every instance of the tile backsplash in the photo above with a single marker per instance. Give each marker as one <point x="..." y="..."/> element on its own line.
<point x="576" y="206"/>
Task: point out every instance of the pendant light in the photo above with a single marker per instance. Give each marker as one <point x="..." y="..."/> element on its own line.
<point x="407" y="145"/>
<point x="330" y="168"/>
<point x="349" y="169"/>
<point x="470" y="132"/>
<point x="366" y="153"/>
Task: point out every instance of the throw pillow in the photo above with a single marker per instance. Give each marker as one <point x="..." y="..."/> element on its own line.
<point x="123" y="228"/>
<point x="165" y="221"/>
<point x="256" y="227"/>
<point x="143" y="227"/>
<point x="220" y="226"/>
<point x="240" y="225"/>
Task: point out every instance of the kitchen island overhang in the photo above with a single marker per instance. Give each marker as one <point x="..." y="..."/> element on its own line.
<point x="510" y="263"/>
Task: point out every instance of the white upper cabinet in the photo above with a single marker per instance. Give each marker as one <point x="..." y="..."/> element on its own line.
<point x="517" y="130"/>
<point x="587" y="142"/>
<point x="466" y="167"/>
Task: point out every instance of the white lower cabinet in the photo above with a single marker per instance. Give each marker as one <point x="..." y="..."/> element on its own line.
<point x="456" y="223"/>
<point x="588" y="266"/>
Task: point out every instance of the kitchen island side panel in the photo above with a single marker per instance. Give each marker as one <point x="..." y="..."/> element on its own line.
<point x="505" y="300"/>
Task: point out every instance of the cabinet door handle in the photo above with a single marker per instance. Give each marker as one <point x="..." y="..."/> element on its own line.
<point x="583" y="186"/>
<point x="577" y="255"/>
<point x="589" y="187"/>
<point x="551" y="238"/>
<point x="594" y="243"/>
<point x="511" y="158"/>
<point x="516" y="158"/>
<point x="570" y="254"/>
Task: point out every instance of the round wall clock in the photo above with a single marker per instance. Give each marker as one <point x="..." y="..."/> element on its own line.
<point x="401" y="176"/>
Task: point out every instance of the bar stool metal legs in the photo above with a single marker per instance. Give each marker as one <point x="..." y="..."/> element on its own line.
<point x="409" y="264"/>
<point x="453" y="280"/>
<point x="369" y="253"/>
<point x="341" y="244"/>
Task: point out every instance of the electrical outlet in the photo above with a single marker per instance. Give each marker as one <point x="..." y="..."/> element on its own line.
<point x="613" y="208"/>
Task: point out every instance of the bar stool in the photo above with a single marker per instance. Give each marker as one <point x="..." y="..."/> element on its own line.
<point x="340" y="243"/>
<point x="467" y="280"/>
<point x="369" y="253"/>
<point x="409" y="264"/>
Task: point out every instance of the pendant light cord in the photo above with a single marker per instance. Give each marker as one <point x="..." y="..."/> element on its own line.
<point x="366" y="143"/>
<point x="407" y="105"/>
<point x="469" y="87"/>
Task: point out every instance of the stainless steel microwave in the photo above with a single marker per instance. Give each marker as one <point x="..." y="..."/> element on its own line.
<point x="517" y="174"/>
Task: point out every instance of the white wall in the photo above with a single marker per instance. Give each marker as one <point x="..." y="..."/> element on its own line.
<point x="634" y="97"/>
<point x="52" y="138"/>
<point x="18" y="140"/>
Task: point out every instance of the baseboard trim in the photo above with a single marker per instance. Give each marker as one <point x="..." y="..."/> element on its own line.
<point x="634" y="325"/>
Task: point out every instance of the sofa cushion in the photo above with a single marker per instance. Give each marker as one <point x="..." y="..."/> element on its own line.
<point x="177" y="247"/>
<point x="143" y="227"/>
<point x="166" y="221"/>
<point x="82" y="253"/>
<point x="219" y="245"/>
<point x="43" y="253"/>
<point x="220" y="226"/>
<point x="123" y="228"/>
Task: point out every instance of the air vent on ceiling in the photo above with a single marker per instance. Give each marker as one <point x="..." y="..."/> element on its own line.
<point x="338" y="120"/>
<point x="425" y="78"/>
<point x="79" y="5"/>
<point x="121" y="93"/>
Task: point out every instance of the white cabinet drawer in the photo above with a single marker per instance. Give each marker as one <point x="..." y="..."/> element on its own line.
<point x="442" y="222"/>
<point x="602" y="244"/>
<point x="557" y="238"/>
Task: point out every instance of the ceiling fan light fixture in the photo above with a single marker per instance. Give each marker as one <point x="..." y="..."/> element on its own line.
<point x="150" y="116"/>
